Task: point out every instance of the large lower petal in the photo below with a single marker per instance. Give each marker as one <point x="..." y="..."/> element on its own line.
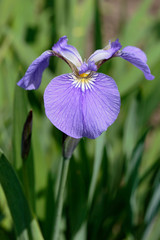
<point x="101" y="105"/>
<point x="63" y="105"/>
<point x="138" y="58"/>
<point x="33" y="76"/>
<point x="82" y="112"/>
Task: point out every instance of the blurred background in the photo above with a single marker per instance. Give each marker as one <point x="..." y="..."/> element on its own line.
<point x="113" y="187"/>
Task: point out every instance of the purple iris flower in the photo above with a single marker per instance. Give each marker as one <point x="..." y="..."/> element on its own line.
<point x="83" y="103"/>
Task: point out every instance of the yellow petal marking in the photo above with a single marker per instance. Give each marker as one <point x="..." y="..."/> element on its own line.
<point x="83" y="81"/>
<point x="83" y="75"/>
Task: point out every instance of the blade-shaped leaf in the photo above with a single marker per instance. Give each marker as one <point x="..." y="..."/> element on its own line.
<point x="25" y="225"/>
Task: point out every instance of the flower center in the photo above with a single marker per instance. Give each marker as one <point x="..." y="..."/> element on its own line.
<point x="83" y="81"/>
<point x="83" y="75"/>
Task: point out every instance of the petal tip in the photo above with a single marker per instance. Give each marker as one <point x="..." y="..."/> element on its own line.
<point x="150" y="77"/>
<point x="116" y="44"/>
<point x="61" y="42"/>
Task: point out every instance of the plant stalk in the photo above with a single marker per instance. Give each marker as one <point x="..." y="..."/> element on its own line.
<point x="60" y="196"/>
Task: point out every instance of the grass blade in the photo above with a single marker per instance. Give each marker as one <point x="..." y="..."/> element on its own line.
<point x="25" y="225"/>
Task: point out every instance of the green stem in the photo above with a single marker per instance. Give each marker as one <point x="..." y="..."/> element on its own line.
<point x="59" y="202"/>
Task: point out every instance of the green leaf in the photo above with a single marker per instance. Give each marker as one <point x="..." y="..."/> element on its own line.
<point x="153" y="206"/>
<point x="82" y="233"/>
<point x="26" y="165"/>
<point x="152" y="231"/>
<point x="25" y="225"/>
<point x="19" y="117"/>
<point x="100" y="142"/>
<point x="131" y="128"/>
<point x="28" y="162"/>
<point x="134" y="164"/>
<point x="97" y="31"/>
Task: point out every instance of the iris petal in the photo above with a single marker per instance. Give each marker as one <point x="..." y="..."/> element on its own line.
<point x="63" y="105"/>
<point x="138" y="58"/>
<point x="106" y="53"/>
<point x="33" y="76"/>
<point x="82" y="114"/>
<point x="89" y="66"/>
<point x="67" y="52"/>
<point x="101" y="106"/>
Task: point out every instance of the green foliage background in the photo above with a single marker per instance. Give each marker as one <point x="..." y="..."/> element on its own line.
<point x="113" y="187"/>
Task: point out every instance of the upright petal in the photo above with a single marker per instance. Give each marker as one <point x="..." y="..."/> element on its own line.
<point x="80" y="113"/>
<point x="89" y="66"/>
<point x="138" y="58"/>
<point x="83" y="68"/>
<point x="92" y="66"/>
<point x="100" y="56"/>
<point x="67" y="52"/>
<point x="33" y="76"/>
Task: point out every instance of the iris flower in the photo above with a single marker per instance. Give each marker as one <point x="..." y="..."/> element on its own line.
<point x="83" y="103"/>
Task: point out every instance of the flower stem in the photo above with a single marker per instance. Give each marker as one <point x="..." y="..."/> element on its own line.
<point x="59" y="201"/>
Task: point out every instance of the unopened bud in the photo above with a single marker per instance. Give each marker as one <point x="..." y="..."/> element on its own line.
<point x="26" y="136"/>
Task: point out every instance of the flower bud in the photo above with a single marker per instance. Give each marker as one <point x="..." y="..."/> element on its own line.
<point x="26" y="136"/>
